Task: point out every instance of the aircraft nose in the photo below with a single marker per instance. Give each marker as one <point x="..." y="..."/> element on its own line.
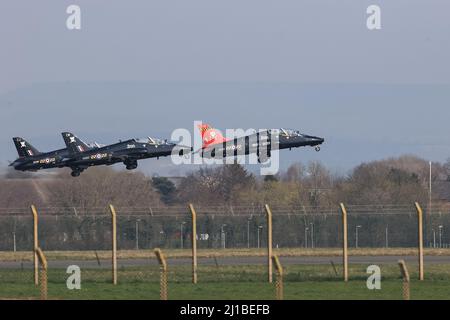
<point x="315" y="140"/>
<point x="320" y="140"/>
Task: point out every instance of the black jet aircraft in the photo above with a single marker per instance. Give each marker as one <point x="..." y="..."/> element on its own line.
<point x="30" y="159"/>
<point x="214" y="145"/>
<point x="128" y="152"/>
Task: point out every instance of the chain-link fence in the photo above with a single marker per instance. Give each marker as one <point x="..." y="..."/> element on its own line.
<point x="218" y="227"/>
<point x="84" y="238"/>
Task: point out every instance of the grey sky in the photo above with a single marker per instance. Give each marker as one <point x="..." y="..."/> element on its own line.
<point x="147" y="67"/>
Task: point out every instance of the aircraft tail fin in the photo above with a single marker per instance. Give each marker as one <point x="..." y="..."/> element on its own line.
<point x="24" y="149"/>
<point x="210" y="135"/>
<point x="73" y="143"/>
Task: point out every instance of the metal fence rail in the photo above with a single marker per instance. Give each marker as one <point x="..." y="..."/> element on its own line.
<point x="114" y="230"/>
<point x="368" y="226"/>
<point x="243" y="209"/>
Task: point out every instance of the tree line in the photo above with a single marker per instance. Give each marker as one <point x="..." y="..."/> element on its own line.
<point x="401" y="181"/>
<point x="299" y="196"/>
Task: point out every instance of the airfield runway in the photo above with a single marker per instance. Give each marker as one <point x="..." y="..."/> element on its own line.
<point x="230" y="261"/>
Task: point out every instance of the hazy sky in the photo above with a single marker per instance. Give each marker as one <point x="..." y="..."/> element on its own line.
<point x="146" y="67"/>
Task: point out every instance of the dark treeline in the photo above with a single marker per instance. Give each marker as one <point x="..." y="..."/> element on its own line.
<point x="391" y="181"/>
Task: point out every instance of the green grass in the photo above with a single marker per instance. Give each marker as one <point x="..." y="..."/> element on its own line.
<point x="230" y="282"/>
<point x="354" y="289"/>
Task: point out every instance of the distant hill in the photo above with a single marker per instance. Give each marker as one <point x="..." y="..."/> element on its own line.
<point x="360" y="122"/>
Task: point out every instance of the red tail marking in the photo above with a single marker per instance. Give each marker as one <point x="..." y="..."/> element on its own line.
<point x="210" y="136"/>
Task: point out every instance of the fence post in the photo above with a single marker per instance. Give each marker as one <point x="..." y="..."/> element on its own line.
<point x="279" y="278"/>
<point x="43" y="273"/>
<point x="163" y="275"/>
<point x="114" y="243"/>
<point x="344" y="241"/>
<point x="35" y="244"/>
<point x="269" y="241"/>
<point x="420" y="230"/>
<point x="194" y="243"/>
<point x="405" y="276"/>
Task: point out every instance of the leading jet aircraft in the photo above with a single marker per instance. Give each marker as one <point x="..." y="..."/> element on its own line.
<point x="128" y="152"/>
<point x="215" y="145"/>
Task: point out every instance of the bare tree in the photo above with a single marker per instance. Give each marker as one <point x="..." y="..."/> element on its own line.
<point x="103" y="186"/>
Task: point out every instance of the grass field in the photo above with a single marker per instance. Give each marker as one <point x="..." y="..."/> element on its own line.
<point x="230" y="282"/>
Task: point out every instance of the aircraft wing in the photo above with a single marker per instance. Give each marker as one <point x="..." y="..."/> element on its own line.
<point x="134" y="153"/>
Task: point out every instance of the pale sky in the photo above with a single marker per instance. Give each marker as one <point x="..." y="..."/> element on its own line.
<point x="140" y="68"/>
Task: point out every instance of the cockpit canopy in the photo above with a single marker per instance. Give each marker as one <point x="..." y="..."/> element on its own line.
<point x="290" y="132"/>
<point x="150" y="140"/>
<point x="95" y="145"/>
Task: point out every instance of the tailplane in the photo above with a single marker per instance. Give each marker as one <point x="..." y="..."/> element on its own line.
<point x="210" y="135"/>
<point x="73" y="143"/>
<point x="24" y="149"/>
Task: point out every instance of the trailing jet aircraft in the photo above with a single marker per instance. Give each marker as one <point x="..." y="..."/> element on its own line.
<point x="30" y="159"/>
<point x="215" y="145"/>
<point x="128" y="152"/>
